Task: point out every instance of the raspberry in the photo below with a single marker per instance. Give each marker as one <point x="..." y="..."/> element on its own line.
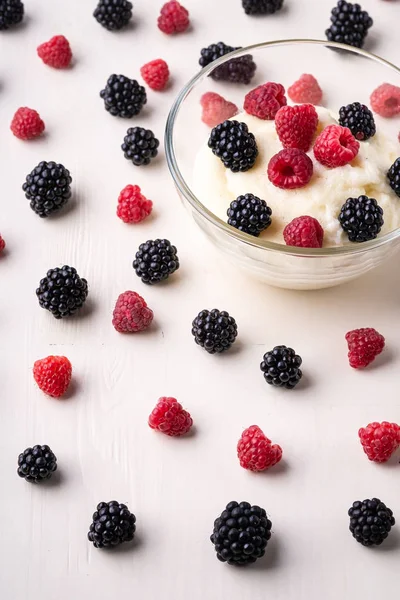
<point x="2" y="244"/>
<point x="26" y="124"/>
<point x="304" y="232"/>
<point x="385" y="100"/>
<point x="170" y="418"/>
<point x="156" y="74"/>
<point x="56" y="52"/>
<point x="265" y="100"/>
<point x="133" y="207"/>
<point x="290" y="168"/>
<point x="256" y="452"/>
<point x="296" y="126"/>
<point x="174" y="18"/>
<point x="305" y="90"/>
<point x="53" y="375"/>
<point x="335" y="146"/>
<point x="216" y="109"/>
<point x="131" y="313"/>
<point x="364" y="346"/>
<point x="380" y="440"/>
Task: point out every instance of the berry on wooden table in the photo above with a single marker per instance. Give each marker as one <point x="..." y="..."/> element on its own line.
<point x="113" y="14"/>
<point x="140" y="146"/>
<point x="261" y="7"/>
<point x="234" y="145"/>
<point x="236" y="70"/>
<point x="123" y="97"/>
<point x="37" y="464"/>
<point x="385" y="100"/>
<point x="281" y="367"/>
<point x="265" y="100"/>
<point x="349" y="24"/>
<point x="361" y="218"/>
<point x="216" y="109"/>
<point x="380" y="440"/>
<point x="48" y="187"/>
<point x="214" y="330"/>
<point x="305" y="90"/>
<point x="290" y="169"/>
<point x="112" y="525"/>
<point x="335" y="146"/>
<point x="56" y="52"/>
<point x="174" y="18"/>
<point x="11" y="13"/>
<point x="133" y="206"/>
<point x="62" y="291"/>
<point x="256" y="452"/>
<point x="156" y="74"/>
<point x="250" y="214"/>
<point x="393" y="176"/>
<point x="359" y="119"/>
<point x="304" y="232"/>
<point x="296" y="126"/>
<point x="170" y="418"/>
<point x="155" y="261"/>
<point x="370" y="521"/>
<point x="131" y="313"/>
<point x="2" y="244"/>
<point x="53" y="375"/>
<point x="364" y="346"/>
<point x="27" y="124"/>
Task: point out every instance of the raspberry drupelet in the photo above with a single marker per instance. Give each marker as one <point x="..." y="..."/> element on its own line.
<point x="364" y="346"/>
<point x="170" y="418"/>
<point x="256" y="452"/>
<point x="380" y="440"/>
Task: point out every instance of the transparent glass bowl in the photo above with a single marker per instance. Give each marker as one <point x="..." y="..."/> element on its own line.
<point x="346" y="75"/>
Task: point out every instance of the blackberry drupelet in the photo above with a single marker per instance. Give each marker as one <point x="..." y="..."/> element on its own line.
<point x="250" y="214"/>
<point x="48" y="187"/>
<point x="113" y="524"/>
<point x="11" y="13"/>
<point x="370" y="521"/>
<point x="359" y="119"/>
<point x="350" y="24"/>
<point x="155" y="261"/>
<point x="214" y="330"/>
<point x="394" y="176"/>
<point x="237" y="70"/>
<point x="261" y="7"/>
<point x="241" y="533"/>
<point x="233" y="143"/>
<point x="123" y="97"/>
<point x="62" y="291"/>
<point x="37" y="464"/>
<point x="361" y="218"/>
<point x="281" y="367"/>
<point x="113" y="14"/>
<point x="140" y="146"/>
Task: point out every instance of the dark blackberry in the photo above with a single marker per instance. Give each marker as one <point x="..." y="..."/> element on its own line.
<point x="281" y="367"/>
<point x="11" y="13"/>
<point x="233" y="143"/>
<point x="241" y="533"/>
<point x="36" y="464"/>
<point x="261" y="7"/>
<point x="361" y="218"/>
<point x="359" y="119"/>
<point x="48" y="187"/>
<point x="113" y="14"/>
<point x="250" y="214"/>
<point x="393" y="176"/>
<point x="155" y="261"/>
<point x="62" y="291"/>
<point x="140" y="146"/>
<point x="113" y="524"/>
<point x="214" y="330"/>
<point x="123" y="97"/>
<point x="237" y="70"/>
<point x="350" y="24"/>
<point x="370" y="521"/>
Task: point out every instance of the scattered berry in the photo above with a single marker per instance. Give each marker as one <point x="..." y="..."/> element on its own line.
<point x="36" y="464"/>
<point x="370" y="521"/>
<point x="53" y="375"/>
<point x="113" y="14"/>
<point x="131" y="313"/>
<point x="156" y="74"/>
<point x="140" y="146"/>
<point x="233" y="143"/>
<point x="155" y="261"/>
<point x="290" y="169"/>
<point x="296" y="126"/>
<point x="214" y="330"/>
<point x="174" y="18"/>
<point x="261" y="7"/>
<point x="62" y="291"/>
<point x="216" y="109"/>
<point x="305" y="90"/>
<point x="364" y="346"/>
<point x="112" y="525"/>
<point x="380" y="440"/>
<point x="256" y="452"/>
<point x="123" y="97"/>
<point x="236" y="70"/>
<point x="133" y="207"/>
<point x="48" y="187"/>
<point x="350" y="24"/>
<point x="2" y="244"/>
<point x="281" y="367"/>
<point x="385" y="100"/>
<point x="56" y="52"/>
<point x="170" y="418"/>
<point x="250" y="214"/>
<point x="11" y="13"/>
<point x="359" y="119"/>
<point x="265" y="100"/>
<point x="27" y="124"/>
<point x="393" y="176"/>
<point x="304" y="232"/>
<point x="361" y="218"/>
<point x="335" y="146"/>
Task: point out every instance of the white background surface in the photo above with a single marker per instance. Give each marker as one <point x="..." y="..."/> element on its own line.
<point x="176" y="487"/>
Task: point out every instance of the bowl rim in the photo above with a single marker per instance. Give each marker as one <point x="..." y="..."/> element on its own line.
<point x="245" y="238"/>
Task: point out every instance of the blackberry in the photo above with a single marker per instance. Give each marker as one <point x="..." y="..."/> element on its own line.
<point x="237" y="70"/>
<point x="155" y="261"/>
<point x="123" y="97"/>
<point x="350" y="24"/>
<point x="36" y="464"/>
<point x="241" y="533"/>
<point x="11" y="13"/>
<point x="214" y="330"/>
<point x="113" y="14"/>
<point x="261" y="7"/>
<point x="113" y="524"/>
<point x="370" y="521"/>
<point x="359" y="119"/>
<point x="281" y="367"/>
<point x="233" y="143"/>
<point x="361" y="218"/>
<point x="250" y="214"/>
<point x="393" y="176"/>
<point x="62" y="291"/>
<point x="48" y="187"/>
<point x="140" y="146"/>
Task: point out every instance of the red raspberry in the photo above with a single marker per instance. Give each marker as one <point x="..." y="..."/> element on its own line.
<point x="385" y="100"/>
<point x="216" y="109"/>
<point x="131" y="313"/>
<point x="304" y="232"/>
<point x="174" y="18"/>
<point x="335" y="146"/>
<point x="56" y="52"/>
<point x="170" y="418"/>
<point x="364" y="346"/>
<point x="265" y="100"/>
<point x="2" y="244"/>
<point x="290" y="169"/>
<point x="380" y="440"/>
<point x="133" y="207"/>
<point x="156" y="74"/>
<point x="296" y="126"/>
<point x="305" y="90"/>
<point x="26" y="124"/>
<point x="53" y="375"/>
<point x="256" y="452"/>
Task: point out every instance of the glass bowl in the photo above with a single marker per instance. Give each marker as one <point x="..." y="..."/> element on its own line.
<point x="346" y="75"/>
